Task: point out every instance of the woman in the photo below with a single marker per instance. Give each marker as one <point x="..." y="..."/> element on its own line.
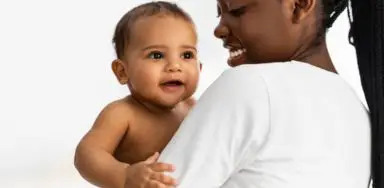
<point x="282" y="117"/>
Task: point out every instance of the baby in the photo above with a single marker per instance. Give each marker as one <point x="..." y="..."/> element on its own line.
<point x="157" y="59"/>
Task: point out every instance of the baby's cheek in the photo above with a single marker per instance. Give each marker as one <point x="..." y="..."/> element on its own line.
<point x="191" y="88"/>
<point x="193" y="77"/>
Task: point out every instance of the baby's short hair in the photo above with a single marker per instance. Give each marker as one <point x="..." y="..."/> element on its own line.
<point x="126" y="23"/>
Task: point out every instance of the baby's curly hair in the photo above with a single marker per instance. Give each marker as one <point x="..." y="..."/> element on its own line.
<point x="126" y="23"/>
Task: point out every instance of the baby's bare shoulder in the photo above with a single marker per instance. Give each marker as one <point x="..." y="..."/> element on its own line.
<point x="119" y="111"/>
<point x="109" y="127"/>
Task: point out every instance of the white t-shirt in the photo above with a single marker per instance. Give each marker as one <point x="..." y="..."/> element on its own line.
<point x="276" y="125"/>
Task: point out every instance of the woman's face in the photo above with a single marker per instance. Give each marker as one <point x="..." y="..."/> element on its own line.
<point x="257" y="31"/>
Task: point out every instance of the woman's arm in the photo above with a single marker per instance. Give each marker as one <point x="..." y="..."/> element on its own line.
<point x="222" y="133"/>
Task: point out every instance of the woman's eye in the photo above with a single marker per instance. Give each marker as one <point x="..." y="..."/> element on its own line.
<point x="237" y="12"/>
<point x="188" y="55"/>
<point x="156" y="55"/>
<point x="218" y="12"/>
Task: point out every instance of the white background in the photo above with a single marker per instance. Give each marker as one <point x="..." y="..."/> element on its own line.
<point x="55" y="77"/>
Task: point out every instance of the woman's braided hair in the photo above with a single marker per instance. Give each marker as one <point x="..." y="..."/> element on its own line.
<point x="366" y="35"/>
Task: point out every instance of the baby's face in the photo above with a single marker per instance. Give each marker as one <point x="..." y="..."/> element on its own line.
<point x="162" y="60"/>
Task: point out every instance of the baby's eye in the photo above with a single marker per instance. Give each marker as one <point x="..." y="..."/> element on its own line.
<point x="156" y="55"/>
<point x="188" y="55"/>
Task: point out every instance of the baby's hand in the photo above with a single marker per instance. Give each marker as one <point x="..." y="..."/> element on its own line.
<point x="149" y="174"/>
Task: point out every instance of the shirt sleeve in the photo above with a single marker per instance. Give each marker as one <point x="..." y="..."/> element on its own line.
<point x="222" y="133"/>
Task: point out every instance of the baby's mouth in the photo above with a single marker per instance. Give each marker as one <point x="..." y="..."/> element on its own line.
<point x="173" y="83"/>
<point x="172" y="86"/>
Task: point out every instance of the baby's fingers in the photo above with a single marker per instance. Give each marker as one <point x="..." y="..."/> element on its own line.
<point x="162" y="167"/>
<point x="157" y="184"/>
<point x="162" y="178"/>
<point x="152" y="158"/>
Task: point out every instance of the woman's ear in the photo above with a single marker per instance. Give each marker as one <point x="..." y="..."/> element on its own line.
<point x="303" y="8"/>
<point x="120" y="68"/>
<point x="298" y="10"/>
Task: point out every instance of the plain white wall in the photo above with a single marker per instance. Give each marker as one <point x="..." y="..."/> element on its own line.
<point x="55" y="77"/>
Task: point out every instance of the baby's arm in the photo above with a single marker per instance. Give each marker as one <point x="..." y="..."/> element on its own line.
<point x="94" y="155"/>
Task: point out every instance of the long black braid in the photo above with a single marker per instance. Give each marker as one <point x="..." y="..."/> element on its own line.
<point x="367" y="36"/>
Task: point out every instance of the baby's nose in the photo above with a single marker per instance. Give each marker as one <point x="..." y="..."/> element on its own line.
<point x="173" y="67"/>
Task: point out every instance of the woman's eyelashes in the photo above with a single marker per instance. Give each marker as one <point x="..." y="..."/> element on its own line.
<point x="237" y="12"/>
<point x="218" y="12"/>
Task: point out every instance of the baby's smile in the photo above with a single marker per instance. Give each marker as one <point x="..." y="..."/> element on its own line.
<point x="172" y="85"/>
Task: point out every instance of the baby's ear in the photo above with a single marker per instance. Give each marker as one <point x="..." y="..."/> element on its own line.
<point x="120" y="68"/>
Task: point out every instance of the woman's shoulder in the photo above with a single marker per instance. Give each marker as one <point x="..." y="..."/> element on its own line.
<point x="282" y="73"/>
<point x="249" y="77"/>
<point x="244" y="73"/>
<point x="237" y="85"/>
<point x="255" y="72"/>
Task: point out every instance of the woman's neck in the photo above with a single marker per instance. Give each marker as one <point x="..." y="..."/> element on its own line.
<point x="318" y="56"/>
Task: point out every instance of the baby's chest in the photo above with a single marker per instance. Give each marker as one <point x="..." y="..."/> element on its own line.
<point x="144" y="138"/>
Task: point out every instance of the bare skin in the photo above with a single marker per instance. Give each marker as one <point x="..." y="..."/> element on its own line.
<point x="126" y="132"/>
<point x="161" y="70"/>
<point x="246" y="25"/>
<point x="148" y="132"/>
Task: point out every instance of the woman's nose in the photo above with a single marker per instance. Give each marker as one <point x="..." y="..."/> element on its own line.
<point x="221" y="31"/>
